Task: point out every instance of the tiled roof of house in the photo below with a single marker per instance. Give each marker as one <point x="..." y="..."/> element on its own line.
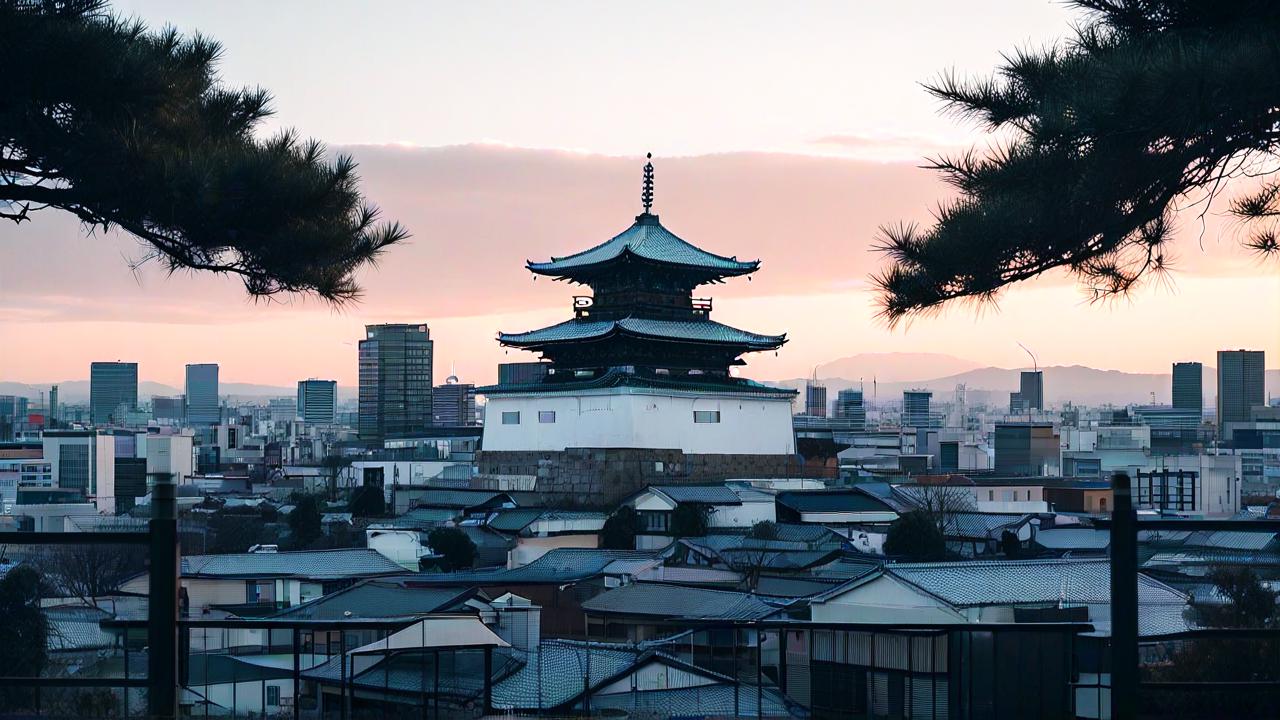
<point x="706" y="494"/>
<point x="1232" y="539"/>
<point x="699" y="701"/>
<point x="557" y="566"/>
<point x="309" y="564"/>
<point x="1074" y="538"/>
<point x="1009" y="582"/>
<point x="678" y="601"/>
<point x="820" y="501"/>
<point x="982" y="525"/>
<point x="77" y="628"/>
<point x="454" y="497"/>
<point x="379" y="599"/>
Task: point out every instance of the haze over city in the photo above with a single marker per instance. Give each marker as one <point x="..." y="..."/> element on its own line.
<point x="806" y="142"/>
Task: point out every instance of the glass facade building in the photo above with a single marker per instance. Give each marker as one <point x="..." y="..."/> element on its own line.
<point x="112" y="385"/>
<point x="317" y="401"/>
<point x="1240" y="384"/>
<point x="1188" y="387"/>
<point x="202" y="395"/>
<point x="395" y="380"/>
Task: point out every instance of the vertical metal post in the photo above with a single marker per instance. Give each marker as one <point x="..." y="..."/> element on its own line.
<point x="488" y="680"/>
<point x="737" y="674"/>
<point x="162" y="602"/>
<point x="1124" y="601"/>
<point x="759" y="673"/>
<point x="297" y="671"/>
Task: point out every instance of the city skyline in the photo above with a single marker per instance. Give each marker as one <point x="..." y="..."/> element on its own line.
<point x="807" y="194"/>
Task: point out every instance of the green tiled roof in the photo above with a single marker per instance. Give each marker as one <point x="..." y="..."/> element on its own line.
<point x="704" y="331"/>
<point x="646" y="239"/>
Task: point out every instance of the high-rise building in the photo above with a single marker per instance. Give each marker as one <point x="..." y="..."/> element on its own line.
<point x="1188" y="386"/>
<point x="52" y="421"/>
<point x="815" y="398"/>
<point x="84" y="461"/>
<point x="454" y="403"/>
<point x="1240" y="386"/>
<point x="1030" y="395"/>
<point x="13" y="412"/>
<point x="850" y="407"/>
<point x="202" y="394"/>
<point x="171" y="409"/>
<point x="522" y="373"/>
<point x="112" y="386"/>
<point x="395" y="380"/>
<point x="1027" y="448"/>
<point x="317" y="401"/>
<point x="915" y="409"/>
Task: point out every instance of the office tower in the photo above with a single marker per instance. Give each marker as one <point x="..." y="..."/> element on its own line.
<point x="170" y="409"/>
<point x="815" y="398"/>
<point x="395" y="380"/>
<point x="1030" y="395"/>
<point x="1240" y="386"/>
<point x="522" y="373"/>
<point x="850" y="407"/>
<point x="317" y="401"/>
<point x="454" y="403"/>
<point x="1027" y="449"/>
<point x="83" y="460"/>
<point x="52" y="421"/>
<point x="1188" y="386"/>
<point x="915" y="408"/>
<point x="202" y="395"/>
<point x="13" y="412"/>
<point x="112" y="386"/>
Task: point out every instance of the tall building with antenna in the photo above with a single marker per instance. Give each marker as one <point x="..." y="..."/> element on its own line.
<point x="815" y="397"/>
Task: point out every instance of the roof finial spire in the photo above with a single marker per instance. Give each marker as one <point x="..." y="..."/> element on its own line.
<point x="647" y="195"/>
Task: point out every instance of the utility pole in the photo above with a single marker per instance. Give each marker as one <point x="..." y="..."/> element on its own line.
<point x="162" y="601"/>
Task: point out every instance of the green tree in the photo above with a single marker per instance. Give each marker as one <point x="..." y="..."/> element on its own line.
<point x="1151" y="106"/>
<point x="915" y="536"/>
<point x="23" y="634"/>
<point x="455" y="549"/>
<point x="132" y="129"/>
<point x="333" y="466"/>
<point x="689" y="520"/>
<point x="367" y="501"/>
<point x="620" y="529"/>
<point x="305" y="522"/>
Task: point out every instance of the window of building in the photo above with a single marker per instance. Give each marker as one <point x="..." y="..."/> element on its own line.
<point x="546" y="416"/>
<point x="511" y="417"/>
<point x="273" y="694"/>
<point x="1102" y="504"/>
<point x="655" y="521"/>
<point x="706" y="416"/>
<point x="991" y="495"/>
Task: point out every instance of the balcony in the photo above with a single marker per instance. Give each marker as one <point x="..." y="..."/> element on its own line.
<point x="699" y="308"/>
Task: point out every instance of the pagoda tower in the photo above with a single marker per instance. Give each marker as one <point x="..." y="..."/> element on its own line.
<point x="637" y="387"/>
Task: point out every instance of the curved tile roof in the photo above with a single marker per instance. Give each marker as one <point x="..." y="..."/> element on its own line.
<point x="687" y="330"/>
<point x="646" y="239"/>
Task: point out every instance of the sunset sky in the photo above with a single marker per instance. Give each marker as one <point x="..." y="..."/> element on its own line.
<point x="500" y="132"/>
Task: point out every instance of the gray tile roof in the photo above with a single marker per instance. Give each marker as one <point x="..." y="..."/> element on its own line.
<point x="554" y="673"/>
<point x="700" y="701"/>
<point x="77" y="628"/>
<point x="379" y="599"/>
<point x="707" y="494"/>
<point x="1070" y="538"/>
<point x="310" y="564"/>
<point x="619" y="378"/>
<point x="679" y="602"/>
<point x="982" y="525"/>
<point x="557" y="566"/>
<point x="460" y="498"/>
<point x="832" y="501"/>
<point x="647" y="239"/>
<point x="692" y="330"/>
<point x="1011" y="582"/>
<point x="1232" y="539"/>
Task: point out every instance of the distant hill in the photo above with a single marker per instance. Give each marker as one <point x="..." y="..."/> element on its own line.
<point x="1073" y="383"/>
<point x="895" y="367"/>
<point x="77" y="391"/>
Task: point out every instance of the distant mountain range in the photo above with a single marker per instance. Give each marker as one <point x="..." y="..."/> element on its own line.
<point x="77" y="391"/>
<point x="895" y="372"/>
<point x="883" y="375"/>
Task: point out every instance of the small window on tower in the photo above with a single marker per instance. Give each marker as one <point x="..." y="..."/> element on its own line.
<point x="546" y="416"/>
<point x="511" y="417"/>
<point x="706" y="416"/>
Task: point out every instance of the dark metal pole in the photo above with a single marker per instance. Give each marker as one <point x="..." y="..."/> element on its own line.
<point x="297" y="671"/>
<point x="1124" y="601"/>
<point x="488" y="680"/>
<point x="162" y="602"/>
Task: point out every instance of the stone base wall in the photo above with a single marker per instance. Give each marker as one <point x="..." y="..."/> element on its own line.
<point x="600" y="477"/>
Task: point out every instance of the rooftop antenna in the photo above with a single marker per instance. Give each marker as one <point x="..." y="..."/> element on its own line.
<point x="647" y="195"/>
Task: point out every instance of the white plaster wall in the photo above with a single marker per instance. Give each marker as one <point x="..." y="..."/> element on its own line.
<point x="627" y="418"/>
<point x="399" y="546"/>
<point x="884" y="599"/>
<point x="744" y="515"/>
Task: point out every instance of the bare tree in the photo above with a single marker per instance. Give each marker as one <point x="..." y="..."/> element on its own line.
<point x="91" y="570"/>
